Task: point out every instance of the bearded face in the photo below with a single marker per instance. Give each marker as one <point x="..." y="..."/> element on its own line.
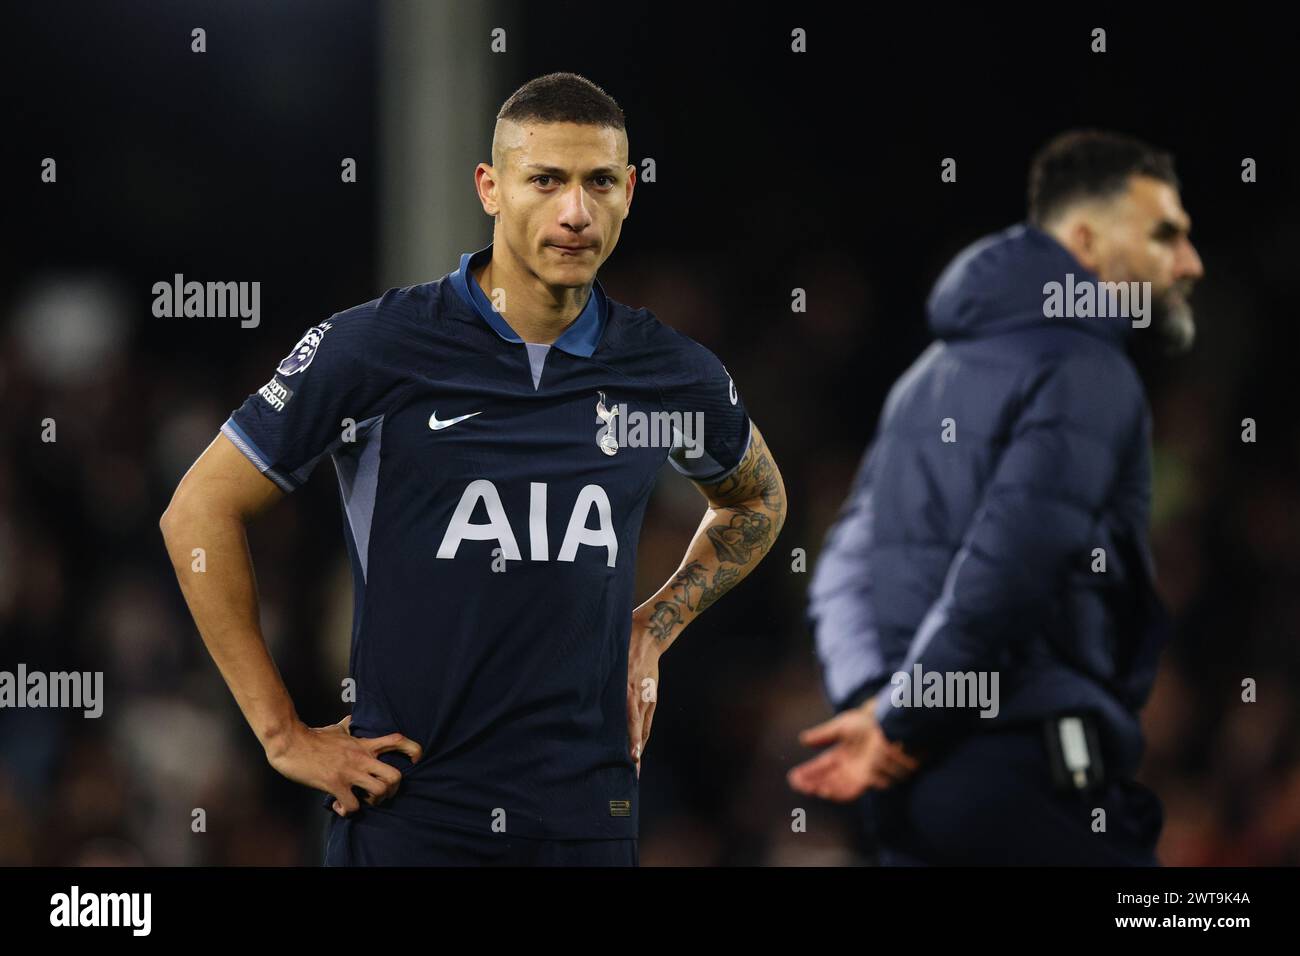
<point x="1173" y="320"/>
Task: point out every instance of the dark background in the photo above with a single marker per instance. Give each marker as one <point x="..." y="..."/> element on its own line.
<point x="775" y="171"/>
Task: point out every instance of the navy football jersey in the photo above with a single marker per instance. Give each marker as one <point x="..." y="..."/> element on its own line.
<point x="493" y="492"/>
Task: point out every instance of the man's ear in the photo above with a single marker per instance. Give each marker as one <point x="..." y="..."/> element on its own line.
<point x="485" y="183"/>
<point x="1083" y="241"/>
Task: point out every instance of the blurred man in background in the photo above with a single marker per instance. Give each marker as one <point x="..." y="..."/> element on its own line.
<point x="997" y="537"/>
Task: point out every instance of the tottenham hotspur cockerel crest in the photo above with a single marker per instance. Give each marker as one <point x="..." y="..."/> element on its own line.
<point x="605" y="437"/>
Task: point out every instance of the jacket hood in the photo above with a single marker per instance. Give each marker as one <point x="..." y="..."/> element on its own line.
<point x="996" y="284"/>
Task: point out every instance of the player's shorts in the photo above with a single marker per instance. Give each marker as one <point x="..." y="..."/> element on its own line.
<point x="370" y="839"/>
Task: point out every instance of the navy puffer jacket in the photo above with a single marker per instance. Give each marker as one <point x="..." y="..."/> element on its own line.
<point x="978" y="553"/>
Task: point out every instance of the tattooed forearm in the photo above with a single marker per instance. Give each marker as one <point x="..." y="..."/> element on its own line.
<point x="722" y="583"/>
<point x="664" y="620"/>
<point x="667" y="615"/>
<point x="747" y="510"/>
<point x="689" y="591"/>
<point x="747" y="530"/>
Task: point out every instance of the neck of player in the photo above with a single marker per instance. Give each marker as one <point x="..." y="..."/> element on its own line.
<point x="538" y="313"/>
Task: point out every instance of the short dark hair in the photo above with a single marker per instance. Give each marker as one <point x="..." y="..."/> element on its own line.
<point x="562" y="98"/>
<point x="1090" y="164"/>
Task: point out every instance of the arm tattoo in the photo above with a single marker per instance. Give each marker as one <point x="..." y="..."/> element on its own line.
<point x="749" y="505"/>
<point x="755" y="477"/>
<point x="737" y="540"/>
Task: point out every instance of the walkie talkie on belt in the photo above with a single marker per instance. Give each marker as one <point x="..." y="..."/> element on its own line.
<point x="1074" y="752"/>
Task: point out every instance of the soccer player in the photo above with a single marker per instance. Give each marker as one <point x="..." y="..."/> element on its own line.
<point x="496" y="434"/>
<point x="997" y="530"/>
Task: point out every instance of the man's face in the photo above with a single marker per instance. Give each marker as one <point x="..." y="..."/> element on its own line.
<point x="1143" y="237"/>
<point x="561" y="192"/>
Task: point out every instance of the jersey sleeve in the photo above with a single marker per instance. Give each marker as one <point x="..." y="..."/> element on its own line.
<point x="714" y="432"/>
<point x="301" y="415"/>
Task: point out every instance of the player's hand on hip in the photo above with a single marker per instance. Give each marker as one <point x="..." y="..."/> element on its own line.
<point x="642" y="690"/>
<point x="859" y="757"/>
<point x="331" y="759"/>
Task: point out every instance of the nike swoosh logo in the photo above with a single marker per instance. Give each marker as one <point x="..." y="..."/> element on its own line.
<point x="439" y="426"/>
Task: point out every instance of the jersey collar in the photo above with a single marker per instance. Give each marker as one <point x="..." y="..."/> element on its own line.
<point x="580" y="338"/>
